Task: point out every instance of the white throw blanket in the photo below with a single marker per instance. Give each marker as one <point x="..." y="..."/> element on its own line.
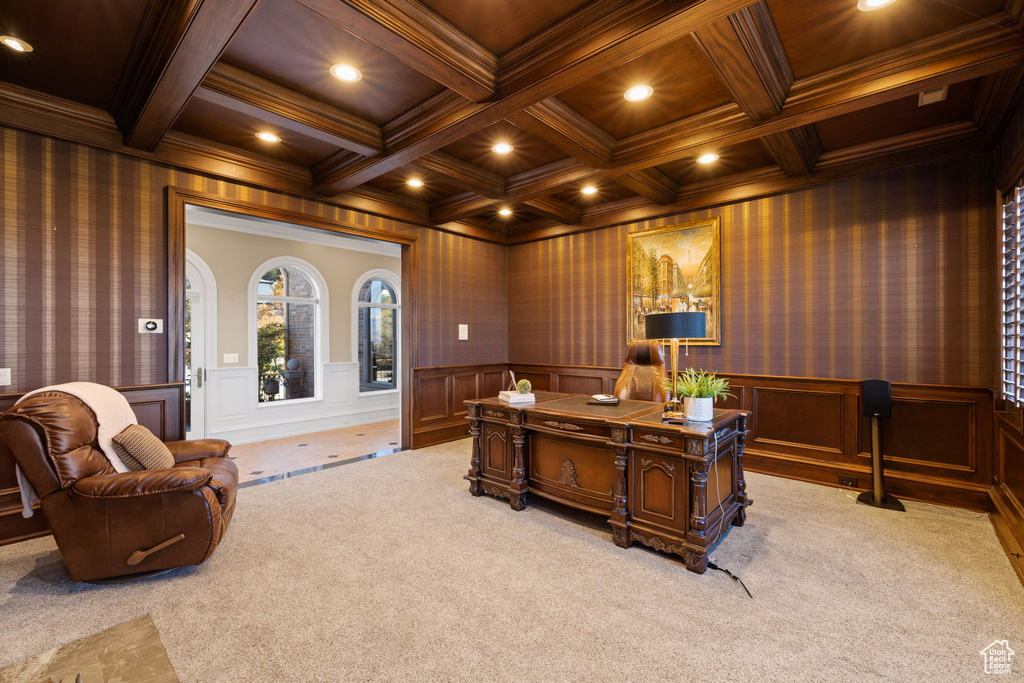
<point x="113" y="414"/>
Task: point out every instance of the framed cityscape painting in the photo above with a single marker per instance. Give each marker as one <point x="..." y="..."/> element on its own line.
<point x="676" y="268"/>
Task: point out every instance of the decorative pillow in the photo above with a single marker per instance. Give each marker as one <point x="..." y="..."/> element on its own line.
<point x="140" y="449"/>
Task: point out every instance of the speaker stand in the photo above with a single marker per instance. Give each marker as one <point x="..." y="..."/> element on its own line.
<point x="877" y="497"/>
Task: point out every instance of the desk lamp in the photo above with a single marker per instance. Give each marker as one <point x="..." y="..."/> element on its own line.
<point x="676" y="326"/>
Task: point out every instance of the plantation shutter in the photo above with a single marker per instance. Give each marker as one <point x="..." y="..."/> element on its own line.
<point x="1013" y="298"/>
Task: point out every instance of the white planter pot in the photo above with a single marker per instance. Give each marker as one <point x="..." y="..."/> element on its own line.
<point x="699" y="409"/>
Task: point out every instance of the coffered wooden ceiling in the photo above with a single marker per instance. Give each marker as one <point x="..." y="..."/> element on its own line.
<point x="788" y="93"/>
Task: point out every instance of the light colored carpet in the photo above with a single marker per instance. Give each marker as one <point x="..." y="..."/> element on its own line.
<point x="388" y="569"/>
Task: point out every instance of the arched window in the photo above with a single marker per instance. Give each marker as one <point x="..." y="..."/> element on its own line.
<point x="377" y="333"/>
<point x="287" y="318"/>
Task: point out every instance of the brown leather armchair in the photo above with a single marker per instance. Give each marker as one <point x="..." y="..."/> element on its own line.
<point x="643" y="373"/>
<point x="111" y="525"/>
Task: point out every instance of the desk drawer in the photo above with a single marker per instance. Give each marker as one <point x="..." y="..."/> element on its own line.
<point x="569" y="426"/>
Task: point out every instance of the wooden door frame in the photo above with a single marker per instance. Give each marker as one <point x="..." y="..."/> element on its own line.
<point x="179" y="197"/>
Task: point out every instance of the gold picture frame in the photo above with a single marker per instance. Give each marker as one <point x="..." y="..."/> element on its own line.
<point x="675" y="268"/>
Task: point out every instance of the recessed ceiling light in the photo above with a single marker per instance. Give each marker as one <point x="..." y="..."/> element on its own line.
<point x="268" y="137"/>
<point x="346" y="72"/>
<point x="708" y="158"/>
<point x="589" y="189"/>
<point x="414" y="182"/>
<point x="16" y="44"/>
<point x="872" y="5"/>
<point x="639" y="92"/>
<point x="502" y="148"/>
<point x="505" y="212"/>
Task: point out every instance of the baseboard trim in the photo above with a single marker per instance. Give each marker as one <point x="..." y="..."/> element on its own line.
<point x="1007" y="519"/>
<point x="920" y="489"/>
<point x="423" y="437"/>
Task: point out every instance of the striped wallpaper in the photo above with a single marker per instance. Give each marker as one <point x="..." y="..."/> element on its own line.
<point x="83" y="256"/>
<point x="890" y="276"/>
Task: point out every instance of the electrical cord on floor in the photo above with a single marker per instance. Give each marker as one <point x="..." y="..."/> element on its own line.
<point x="712" y="565"/>
<point x="721" y="523"/>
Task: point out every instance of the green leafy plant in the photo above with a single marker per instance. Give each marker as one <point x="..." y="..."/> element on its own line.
<point x="523" y="386"/>
<point x="700" y="384"/>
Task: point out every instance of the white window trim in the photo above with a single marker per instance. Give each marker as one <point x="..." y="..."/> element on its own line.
<point x="321" y="325"/>
<point x="396" y="284"/>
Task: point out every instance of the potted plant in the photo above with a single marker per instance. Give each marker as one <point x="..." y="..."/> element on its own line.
<point x="699" y="389"/>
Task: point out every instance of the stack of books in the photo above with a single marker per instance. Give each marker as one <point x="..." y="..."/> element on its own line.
<point x="515" y="398"/>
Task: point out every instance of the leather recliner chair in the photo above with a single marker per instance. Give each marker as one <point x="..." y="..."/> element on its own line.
<point x="644" y="372"/>
<point x="118" y="526"/>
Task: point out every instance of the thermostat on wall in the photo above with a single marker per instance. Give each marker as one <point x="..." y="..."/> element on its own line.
<point x="150" y="326"/>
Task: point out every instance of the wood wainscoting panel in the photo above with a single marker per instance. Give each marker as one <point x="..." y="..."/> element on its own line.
<point x="812" y="430"/>
<point x="465" y="387"/>
<point x="439" y="411"/>
<point x="1008" y="493"/>
<point x="932" y="434"/>
<point x="158" y="407"/>
<point x="580" y="384"/>
<point x="432" y="398"/>
<point x="798" y="419"/>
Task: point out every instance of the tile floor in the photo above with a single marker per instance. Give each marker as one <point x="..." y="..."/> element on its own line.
<point x="264" y="459"/>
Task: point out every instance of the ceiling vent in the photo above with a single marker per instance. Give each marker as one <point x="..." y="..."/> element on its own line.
<point x="932" y="96"/>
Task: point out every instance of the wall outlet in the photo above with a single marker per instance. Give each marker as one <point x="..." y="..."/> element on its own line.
<point x="5" y="376"/>
<point x="848" y="481"/>
<point x="150" y="326"/>
<point x="230" y="357"/>
<point x="463" y="332"/>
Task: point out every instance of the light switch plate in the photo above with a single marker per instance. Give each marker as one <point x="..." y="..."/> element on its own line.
<point x="5" y="376"/>
<point x="150" y="326"/>
<point x="463" y="332"/>
<point x="230" y="357"/>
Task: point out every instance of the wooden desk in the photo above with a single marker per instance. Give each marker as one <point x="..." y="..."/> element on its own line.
<point x="650" y="478"/>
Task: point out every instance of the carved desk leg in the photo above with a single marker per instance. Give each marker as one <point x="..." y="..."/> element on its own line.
<point x="474" y="464"/>
<point x="517" y="489"/>
<point x="698" y="561"/>
<point x="620" y="513"/>
<point x="741" y="482"/>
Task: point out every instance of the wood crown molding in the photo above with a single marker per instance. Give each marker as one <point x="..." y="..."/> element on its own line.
<point x="997" y="94"/>
<point x="568" y="130"/>
<point x="555" y="208"/>
<point x="967" y="52"/>
<point x="656" y="25"/>
<point x="652" y="185"/>
<point x="463" y="174"/>
<point x="758" y="75"/>
<point x="796" y="151"/>
<point x="247" y="93"/>
<point x="956" y="141"/>
<point x="420" y="38"/>
<point x="177" y="44"/>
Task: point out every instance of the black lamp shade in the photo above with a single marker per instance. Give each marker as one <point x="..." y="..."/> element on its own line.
<point x="676" y="325"/>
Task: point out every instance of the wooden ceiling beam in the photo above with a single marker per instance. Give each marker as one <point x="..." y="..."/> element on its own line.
<point x="997" y="95"/>
<point x="745" y="52"/>
<point x="568" y="130"/>
<point x="249" y="94"/>
<point x="177" y="44"/>
<point x="851" y="163"/>
<point x="570" y="53"/>
<point x="418" y="37"/>
<point x="463" y="174"/>
<point x="554" y="208"/>
<point x="796" y="150"/>
<point x="971" y="51"/>
<point x="651" y="184"/>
